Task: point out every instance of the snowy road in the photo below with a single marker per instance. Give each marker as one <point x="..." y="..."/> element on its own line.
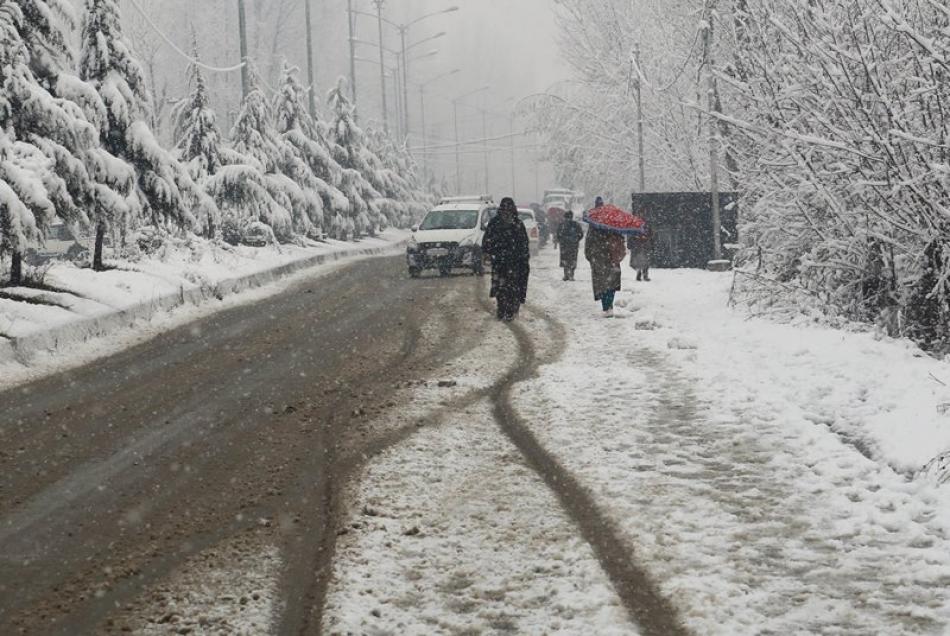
<point x="371" y="454"/>
<point x="207" y="449"/>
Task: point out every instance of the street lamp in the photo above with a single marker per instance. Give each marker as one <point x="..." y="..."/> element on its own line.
<point x="455" y="119"/>
<point x="422" y="110"/>
<point x="403" y="31"/>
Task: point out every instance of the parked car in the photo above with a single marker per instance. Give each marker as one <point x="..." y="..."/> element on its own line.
<point x="257" y="234"/>
<point x="450" y="236"/>
<point x="534" y="231"/>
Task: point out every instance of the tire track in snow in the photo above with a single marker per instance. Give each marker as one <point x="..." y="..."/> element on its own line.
<point x="653" y="613"/>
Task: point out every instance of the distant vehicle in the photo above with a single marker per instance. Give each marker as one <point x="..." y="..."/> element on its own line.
<point x="257" y="234"/>
<point x="563" y="199"/>
<point x="450" y="236"/>
<point x="534" y="230"/>
<point x="527" y="216"/>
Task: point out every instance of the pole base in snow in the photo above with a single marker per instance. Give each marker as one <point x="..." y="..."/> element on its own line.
<point x="719" y="266"/>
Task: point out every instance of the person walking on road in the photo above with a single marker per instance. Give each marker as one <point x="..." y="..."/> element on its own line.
<point x="641" y="252"/>
<point x="569" y="236"/>
<point x="605" y="252"/>
<point x="506" y="241"/>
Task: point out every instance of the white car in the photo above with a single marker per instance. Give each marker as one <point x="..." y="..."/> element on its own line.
<point x="450" y="237"/>
<point x="530" y="224"/>
<point x="534" y="232"/>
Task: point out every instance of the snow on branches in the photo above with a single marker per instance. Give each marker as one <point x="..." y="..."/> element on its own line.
<point x="76" y="146"/>
<point x="832" y="120"/>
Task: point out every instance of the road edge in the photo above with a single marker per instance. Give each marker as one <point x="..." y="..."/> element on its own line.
<point x="23" y="350"/>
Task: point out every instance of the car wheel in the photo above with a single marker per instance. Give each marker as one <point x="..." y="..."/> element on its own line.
<point x="414" y="272"/>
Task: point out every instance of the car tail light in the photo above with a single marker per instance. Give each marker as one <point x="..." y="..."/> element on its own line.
<point x="534" y="232"/>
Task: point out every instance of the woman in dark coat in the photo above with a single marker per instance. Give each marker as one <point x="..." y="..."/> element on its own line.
<point x="641" y="252"/>
<point x="569" y="237"/>
<point x="506" y="241"/>
<point x="605" y="251"/>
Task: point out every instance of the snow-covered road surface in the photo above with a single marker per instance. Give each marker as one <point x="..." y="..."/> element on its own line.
<point x="753" y="517"/>
<point x="378" y="455"/>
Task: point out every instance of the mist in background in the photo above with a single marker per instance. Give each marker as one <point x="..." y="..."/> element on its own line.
<point x="508" y="45"/>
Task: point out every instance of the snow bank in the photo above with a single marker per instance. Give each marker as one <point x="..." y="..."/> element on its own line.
<point x="87" y="305"/>
<point x="759" y="473"/>
<point x="884" y="396"/>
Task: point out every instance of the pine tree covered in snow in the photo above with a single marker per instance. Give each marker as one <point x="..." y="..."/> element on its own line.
<point x="198" y="140"/>
<point x="349" y="151"/>
<point x="308" y="140"/>
<point x="285" y="177"/>
<point x="49" y="150"/>
<point x="163" y="187"/>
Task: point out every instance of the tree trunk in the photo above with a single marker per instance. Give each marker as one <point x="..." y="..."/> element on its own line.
<point x="16" y="269"/>
<point x="97" y="253"/>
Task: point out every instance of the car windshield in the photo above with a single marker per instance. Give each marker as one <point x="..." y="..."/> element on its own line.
<point x="526" y="216"/>
<point x="450" y="220"/>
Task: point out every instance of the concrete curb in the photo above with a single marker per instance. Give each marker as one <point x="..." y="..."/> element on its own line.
<point x="24" y="348"/>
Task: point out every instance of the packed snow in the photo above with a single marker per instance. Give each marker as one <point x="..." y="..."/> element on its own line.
<point x="82" y="314"/>
<point x="761" y="471"/>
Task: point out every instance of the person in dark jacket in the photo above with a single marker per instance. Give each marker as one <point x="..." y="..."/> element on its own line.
<point x="569" y="236"/>
<point x="605" y="251"/>
<point x="506" y="241"/>
<point x="641" y="252"/>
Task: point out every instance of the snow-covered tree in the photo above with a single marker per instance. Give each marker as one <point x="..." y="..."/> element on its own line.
<point x="307" y="140"/>
<point x="48" y="148"/>
<point x="349" y="150"/>
<point x="286" y="178"/>
<point x="198" y="140"/>
<point x="162" y="187"/>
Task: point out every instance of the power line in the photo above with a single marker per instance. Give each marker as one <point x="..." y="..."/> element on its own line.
<point x="213" y="69"/>
<point x="471" y="141"/>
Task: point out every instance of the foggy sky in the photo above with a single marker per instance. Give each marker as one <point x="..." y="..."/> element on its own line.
<point x="510" y="45"/>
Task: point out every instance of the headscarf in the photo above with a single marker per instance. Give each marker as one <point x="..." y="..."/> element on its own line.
<point x="508" y="208"/>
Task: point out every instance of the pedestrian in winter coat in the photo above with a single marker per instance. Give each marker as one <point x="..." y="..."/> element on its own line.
<point x="506" y="241"/>
<point x="605" y="252"/>
<point x="641" y="252"/>
<point x="569" y="236"/>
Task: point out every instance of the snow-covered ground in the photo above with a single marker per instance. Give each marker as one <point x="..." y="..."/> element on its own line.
<point x="82" y="314"/>
<point x="452" y="533"/>
<point x="760" y="471"/>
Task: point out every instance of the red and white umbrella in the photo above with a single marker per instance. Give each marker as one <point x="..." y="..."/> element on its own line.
<point x="610" y="218"/>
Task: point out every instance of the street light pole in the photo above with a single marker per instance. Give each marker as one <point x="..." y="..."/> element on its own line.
<point x="485" y="136"/>
<point x="422" y="113"/>
<point x="351" y="19"/>
<point x="458" y="153"/>
<point x="643" y="179"/>
<point x="511" y="131"/>
<point x="405" y="80"/>
<point x="310" y="89"/>
<point x="458" y="142"/>
<point x="245" y="71"/>
<point x="382" y="63"/>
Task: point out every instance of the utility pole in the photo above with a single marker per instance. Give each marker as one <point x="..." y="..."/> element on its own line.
<point x="713" y="140"/>
<point x="458" y="154"/>
<point x="382" y="64"/>
<point x="405" y="80"/>
<point x="351" y="18"/>
<point x="485" y="154"/>
<point x="511" y="130"/>
<point x="311" y="89"/>
<point x="422" y="114"/>
<point x="643" y="179"/>
<point x="245" y="71"/>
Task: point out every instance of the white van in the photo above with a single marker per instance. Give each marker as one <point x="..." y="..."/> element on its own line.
<point x="450" y="236"/>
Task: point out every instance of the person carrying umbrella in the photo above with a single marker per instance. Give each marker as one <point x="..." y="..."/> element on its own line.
<point x="506" y="241"/>
<point x="605" y="249"/>
<point x="641" y="251"/>
<point x="569" y="236"/>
